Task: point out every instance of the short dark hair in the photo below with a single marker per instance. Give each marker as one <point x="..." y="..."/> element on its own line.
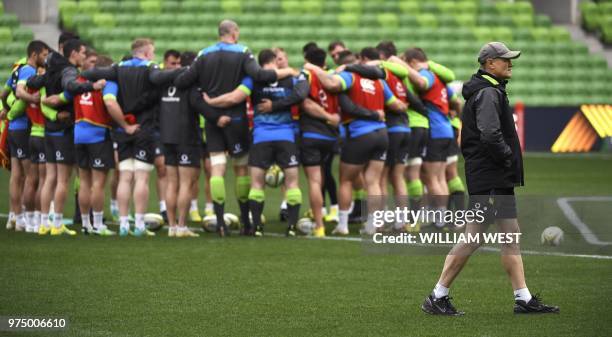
<point x="266" y="56"/>
<point x="90" y="52"/>
<point x="67" y="36"/>
<point x="332" y="45"/>
<point x="308" y="46"/>
<point x="387" y="48"/>
<point x="415" y="54"/>
<point x="37" y="47"/>
<point x="104" y="61"/>
<point x="346" y="57"/>
<point x="316" y="56"/>
<point x="187" y="58"/>
<point x="72" y="45"/>
<point x="172" y="52"/>
<point x="370" y="53"/>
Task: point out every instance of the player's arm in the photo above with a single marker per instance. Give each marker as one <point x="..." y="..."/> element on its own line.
<point x="329" y="82"/>
<point x="109" y="95"/>
<point x="196" y="101"/>
<point x="391" y="102"/>
<point x="106" y="73"/>
<point x="396" y="69"/>
<point x="70" y="83"/>
<point x="444" y="73"/>
<point x="36" y="82"/>
<point x="415" y="103"/>
<point x="297" y="95"/>
<point x="487" y="121"/>
<point x="311" y="108"/>
<point x="349" y="107"/>
<point x="21" y="93"/>
<point x="190" y="75"/>
<point x="4" y="98"/>
<point x="420" y="82"/>
<point x="160" y="77"/>
<point x="56" y="100"/>
<point x="229" y="99"/>
<point x="367" y="71"/>
<point x="456" y="105"/>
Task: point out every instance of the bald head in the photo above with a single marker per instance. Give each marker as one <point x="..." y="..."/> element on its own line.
<point x="228" y="28"/>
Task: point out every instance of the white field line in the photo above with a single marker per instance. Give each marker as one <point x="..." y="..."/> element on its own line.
<point x="570" y="214"/>
<point x="359" y="239"/>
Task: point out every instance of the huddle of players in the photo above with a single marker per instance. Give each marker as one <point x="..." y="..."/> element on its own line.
<point x="380" y="109"/>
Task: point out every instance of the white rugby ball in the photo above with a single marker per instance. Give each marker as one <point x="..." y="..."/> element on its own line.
<point x="552" y="236"/>
<point x="274" y="176"/>
<point x="231" y="220"/>
<point x="153" y="221"/>
<point x="305" y="226"/>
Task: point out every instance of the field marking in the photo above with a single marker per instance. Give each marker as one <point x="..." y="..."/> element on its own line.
<point x="359" y="239"/>
<point x="570" y="214"/>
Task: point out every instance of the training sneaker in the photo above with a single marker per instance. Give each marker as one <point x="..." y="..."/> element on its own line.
<point x="283" y="214"/>
<point x="123" y="232"/>
<point x="184" y="232"/>
<point x="142" y="232"/>
<point x="440" y="306"/>
<point x="209" y="212"/>
<point x="10" y="224"/>
<point x="290" y="231"/>
<point x="534" y="306"/>
<point x="87" y="230"/>
<point x="43" y="230"/>
<point x="259" y="231"/>
<point x="115" y="214"/>
<point x="332" y="216"/>
<point x="340" y="231"/>
<point x="223" y="230"/>
<point x="319" y="232"/>
<point x="103" y="231"/>
<point x="194" y="216"/>
<point x="164" y="216"/>
<point x="171" y="231"/>
<point x="62" y="230"/>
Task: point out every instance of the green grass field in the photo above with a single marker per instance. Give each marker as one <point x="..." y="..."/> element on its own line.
<point x="275" y="286"/>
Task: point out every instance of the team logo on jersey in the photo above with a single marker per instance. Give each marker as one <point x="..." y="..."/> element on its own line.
<point x="86" y="99"/>
<point x="19" y="152"/>
<point x="58" y="155"/>
<point x="142" y="155"/>
<point x="185" y="159"/>
<point x="323" y="98"/>
<point x="383" y="156"/>
<point x="367" y="86"/>
<point x="41" y="156"/>
<point x="98" y="163"/>
<point x="237" y="148"/>
<point x="399" y="89"/>
<point x="171" y="91"/>
<point x="170" y="97"/>
<point x="293" y="160"/>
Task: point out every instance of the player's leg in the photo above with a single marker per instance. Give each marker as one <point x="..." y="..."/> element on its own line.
<point x="348" y="174"/>
<point x="37" y="200"/>
<point x="64" y="172"/>
<point x="187" y="176"/>
<point x="256" y="199"/>
<point x="16" y="182"/>
<point x="172" y="189"/>
<point x="359" y="196"/>
<point x="29" y="195"/>
<point x="114" y="184"/>
<point x="142" y="172"/>
<point x="330" y="187"/>
<point x="46" y="195"/>
<point x="287" y="158"/>
<point x="218" y="162"/>
<point x="161" y="182"/>
<point x="456" y="188"/>
<point x="314" y="178"/>
<point x="124" y="192"/>
<point x="84" y="197"/>
<point x="413" y="169"/>
<point x="242" y="186"/>
<point x="103" y="161"/>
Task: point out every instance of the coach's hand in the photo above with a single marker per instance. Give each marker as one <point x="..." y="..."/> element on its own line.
<point x="333" y="120"/>
<point x="53" y="100"/>
<point x="381" y="115"/>
<point x="63" y="116"/>
<point x="99" y="84"/>
<point x="223" y="121"/>
<point x="265" y="106"/>
<point x="131" y="129"/>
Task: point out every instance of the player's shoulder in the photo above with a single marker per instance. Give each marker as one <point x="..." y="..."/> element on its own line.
<point x="224" y="47"/>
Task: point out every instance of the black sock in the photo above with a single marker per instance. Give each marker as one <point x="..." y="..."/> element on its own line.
<point x="256" y="208"/>
<point x="458" y="199"/>
<point x="219" y="213"/>
<point x="357" y="204"/>
<point x="244" y="214"/>
<point x="293" y="212"/>
<point x="77" y="209"/>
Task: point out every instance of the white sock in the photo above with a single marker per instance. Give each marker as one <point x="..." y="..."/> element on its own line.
<point x="29" y="217"/>
<point x="124" y="222"/>
<point x="139" y="221"/>
<point x="323" y="211"/>
<point x="85" y="221"/>
<point x="162" y="206"/>
<point x="98" y="220"/>
<point x="52" y="208"/>
<point x="343" y="219"/>
<point x="11" y="216"/>
<point x="441" y="211"/>
<point x="440" y="291"/>
<point x="333" y="208"/>
<point x="36" y="220"/>
<point x="522" y="294"/>
<point x="57" y="220"/>
<point x="114" y="206"/>
<point x="209" y="206"/>
<point x="44" y="220"/>
<point x="20" y="220"/>
<point x="194" y="205"/>
<point x="284" y="204"/>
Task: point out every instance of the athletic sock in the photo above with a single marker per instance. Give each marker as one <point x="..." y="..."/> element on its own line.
<point x="217" y="190"/>
<point x="294" y="201"/>
<point x="124" y="223"/>
<point x="283" y="204"/>
<point x="343" y="219"/>
<point x="114" y="206"/>
<point x="243" y="189"/>
<point x="440" y="291"/>
<point x="439" y="217"/>
<point x="244" y="213"/>
<point x="139" y="223"/>
<point x="11" y="216"/>
<point x="29" y="218"/>
<point x="219" y="212"/>
<point x="333" y="208"/>
<point x="36" y="220"/>
<point x="85" y="221"/>
<point x="209" y="206"/>
<point x="20" y="220"/>
<point x="256" y="205"/>
<point x="522" y="294"/>
<point x="162" y="206"/>
<point x="98" y="218"/>
<point x="194" y="205"/>
<point x="44" y="219"/>
<point x="57" y="220"/>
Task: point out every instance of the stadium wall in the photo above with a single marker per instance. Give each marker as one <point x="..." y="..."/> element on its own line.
<point x="543" y="125"/>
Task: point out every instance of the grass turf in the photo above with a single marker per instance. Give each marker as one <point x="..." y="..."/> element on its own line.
<point x="277" y="286"/>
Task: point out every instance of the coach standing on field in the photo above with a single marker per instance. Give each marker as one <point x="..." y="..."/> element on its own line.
<point x="493" y="167"/>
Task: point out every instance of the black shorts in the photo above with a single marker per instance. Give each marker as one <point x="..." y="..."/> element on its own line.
<point x="158" y="147"/>
<point x="437" y="149"/>
<point x="399" y="145"/>
<point x="182" y="155"/>
<point x="362" y="149"/>
<point x="204" y="151"/>
<point x="96" y="156"/>
<point x="284" y="154"/>
<point x="138" y="146"/>
<point x="418" y="142"/>
<point x="60" y="149"/>
<point x="37" y="150"/>
<point x="235" y="138"/>
<point x="315" y="152"/>
<point x="19" y="144"/>
<point x="497" y="203"/>
<point x="453" y="150"/>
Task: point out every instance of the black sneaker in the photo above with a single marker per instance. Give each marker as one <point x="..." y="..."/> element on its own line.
<point x="164" y="216"/>
<point x="534" y="306"/>
<point x="283" y="214"/>
<point x="247" y="231"/>
<point x="290" y="231"/>
<point x="259" y="231"/>
<point x="223" y="230"/>
<point x="440" y="306"/>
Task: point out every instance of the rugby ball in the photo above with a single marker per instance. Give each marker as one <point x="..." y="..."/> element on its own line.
<point x="231" y="220"/>
<point x="263" y="218"/>
<point x="274" y="176"/>
<point x="305" y="226"/>
<point x="209" y="223"/>
<point x="552" y="236"/>
<point x="153" y="221"/>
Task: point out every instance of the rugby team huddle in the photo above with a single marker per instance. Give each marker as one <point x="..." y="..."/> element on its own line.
<point x="392" y="119"/>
